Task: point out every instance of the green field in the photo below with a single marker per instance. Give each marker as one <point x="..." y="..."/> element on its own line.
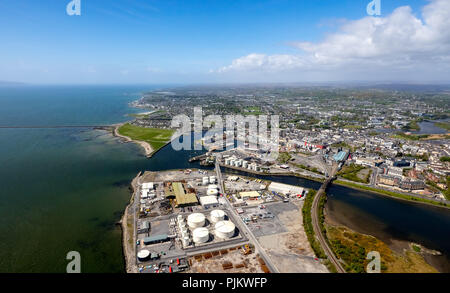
<point x="401" y="135"/>
<point x="156" y="137"/>
<point x="444" y="125"/>
<point x="352" y="171"/>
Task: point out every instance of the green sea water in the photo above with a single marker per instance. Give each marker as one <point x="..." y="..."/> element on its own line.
<point x="64" y="189"/>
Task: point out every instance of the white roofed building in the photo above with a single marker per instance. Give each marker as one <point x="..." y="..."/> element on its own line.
<point x="209" y="201"/>
<point x="285" y="188"/>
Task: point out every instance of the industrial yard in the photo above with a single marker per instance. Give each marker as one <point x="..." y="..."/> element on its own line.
<point x="232" y="260"/>
<point x="184" y="222"/>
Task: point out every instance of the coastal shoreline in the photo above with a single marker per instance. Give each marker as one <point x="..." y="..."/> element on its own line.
<point x="149" y="151"/>
<point x="127" y="239"/>
<point x="399" y="246"/>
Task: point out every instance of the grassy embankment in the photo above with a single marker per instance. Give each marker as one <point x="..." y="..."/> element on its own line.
<point x="156" y="137"/>
<point x="352" y="171"/>
<point x="353" y="247"/>
<point x="389" y="193"/>
<point x="445" y="192"/>
<point x="309" y="230"/>
<point x="412" y="126"/>
<point x="443" y="125"/>
<point x="310" y="169"/>
<point x="284" y="157"/>
<point x="401" y="135"/>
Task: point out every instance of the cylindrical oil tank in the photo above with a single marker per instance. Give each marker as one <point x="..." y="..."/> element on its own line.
<point x="213" y="186"/>
<point x="143" y="255"/>
<point x="212" y="192"/>
<point x="186" y="241"/>
<point x="196" y="220"/>
<point x="244" y="164"/>
<point x="217" y="216"/>
<point x="200" y="235"/>
<point x="225" y="229"/>
<point x="212" y="179"/>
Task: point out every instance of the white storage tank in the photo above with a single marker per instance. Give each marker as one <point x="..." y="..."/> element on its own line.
<point x="196" y="220"/>
<point x="225" y="229"/>
<point x="205" y="181"/>
<point x="217" y="216"/>
<point x="143" y="255"/>
<point x="212" y="179"/>
<point x="212" y="192"/>
<point x="244" y="164"/>
<point x="227" y="161"/>
<point x="200" y="235"/>
<point x="186" y="241"/>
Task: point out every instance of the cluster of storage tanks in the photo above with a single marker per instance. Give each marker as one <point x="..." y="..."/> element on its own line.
<point x="212" y="190"/>
<point x="234" y="162"/>
<point x="200" y="234"/>
<point x="208" y="180"/>
<point x="185" y="239"/>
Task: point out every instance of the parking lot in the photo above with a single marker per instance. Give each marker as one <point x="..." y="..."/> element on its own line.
<point x="265" y="221"/>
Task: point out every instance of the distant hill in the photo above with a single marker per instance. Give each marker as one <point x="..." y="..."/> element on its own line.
<point x="11" y="83"/>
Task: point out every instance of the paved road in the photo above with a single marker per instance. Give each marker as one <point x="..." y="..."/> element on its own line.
<point x="242" y="227"/>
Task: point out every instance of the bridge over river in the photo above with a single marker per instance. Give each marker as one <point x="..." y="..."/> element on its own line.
<point x="315" y="221"/>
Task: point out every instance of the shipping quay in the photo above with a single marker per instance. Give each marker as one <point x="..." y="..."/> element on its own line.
<point x="203" y="221"/>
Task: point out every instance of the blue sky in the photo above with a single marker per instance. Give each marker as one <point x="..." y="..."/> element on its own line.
<point x="145" y="41"/>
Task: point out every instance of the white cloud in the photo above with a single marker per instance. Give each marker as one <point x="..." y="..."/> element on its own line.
<point x="399" y="41"/>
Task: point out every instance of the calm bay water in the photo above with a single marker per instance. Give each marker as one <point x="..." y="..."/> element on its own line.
<point x="428" y="127"/>
<point x="64" y="189"/>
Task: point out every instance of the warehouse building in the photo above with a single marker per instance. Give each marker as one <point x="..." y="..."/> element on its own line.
<point x="209" y="201"/>
<point x="182" y="198"/>
<point x="156" y="239"/>
<point x="286" y="189"/>
<point x="249" y="195"/>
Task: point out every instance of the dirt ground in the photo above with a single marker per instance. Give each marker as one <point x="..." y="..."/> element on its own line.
<point x="290" y="251"/>
<point x="236" y="261"/>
